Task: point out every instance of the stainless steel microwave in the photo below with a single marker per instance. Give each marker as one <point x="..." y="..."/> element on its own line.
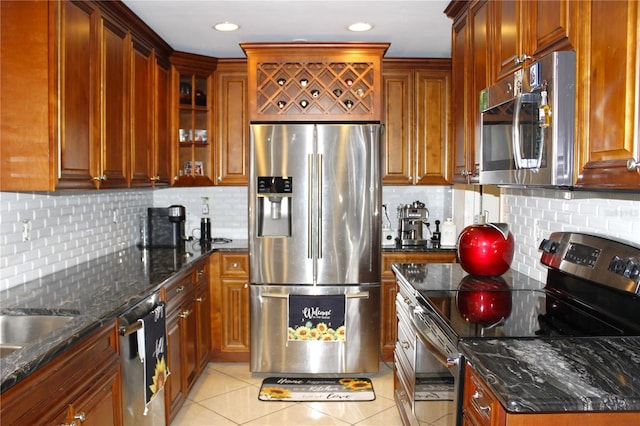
<point x="528" y="125"/>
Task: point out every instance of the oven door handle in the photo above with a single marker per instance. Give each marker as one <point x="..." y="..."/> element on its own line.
<point x="445" y="359"/>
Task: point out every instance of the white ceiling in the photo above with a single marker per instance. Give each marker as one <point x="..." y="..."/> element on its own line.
<point x="415" y="28"/>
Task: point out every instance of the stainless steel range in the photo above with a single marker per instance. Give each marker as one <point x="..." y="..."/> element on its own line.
<point x="592" y="289"/>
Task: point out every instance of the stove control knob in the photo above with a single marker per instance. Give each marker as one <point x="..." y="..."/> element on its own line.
<point x="632" y="270"/>
<point x="549" y="246"/>
<point x="617" y="265"/>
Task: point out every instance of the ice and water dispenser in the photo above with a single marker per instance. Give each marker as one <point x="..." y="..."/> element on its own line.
<point x="274" y="206"/>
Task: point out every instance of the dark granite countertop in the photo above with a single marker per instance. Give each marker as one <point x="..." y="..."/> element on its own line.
<point x="428" y="248"/>
<point x="94" y="293"/>
<point x="566" y="374"/>
<point x="557" y="374"/>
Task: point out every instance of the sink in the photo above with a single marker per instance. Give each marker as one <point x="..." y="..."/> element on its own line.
<point x="17" y="331"/>
<point x="6" y="349"/>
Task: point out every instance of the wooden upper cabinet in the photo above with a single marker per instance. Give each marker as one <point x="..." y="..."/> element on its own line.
<point x="433" y="106"/>
<point x="77" y="100"/>
<point x="26" y="157"/>
<point x="69" y="117"/>
<point x="472" y="71"/>
<point x="192" y="118"/>
<point x="509" y="44"/>
<point x="162" y="148"/>
<point x="111" y="162"/>
<point x="526" y="30"/>
<point x="417" y="103"/>
<point x="608" y="91"/>
<point x="315" y="81"/>
<point x="141" y="147"/>
<point x="231" y="125"/>
<point x="398" y="85"/>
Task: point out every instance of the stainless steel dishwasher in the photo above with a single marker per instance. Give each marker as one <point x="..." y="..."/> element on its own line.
<point x="133" y="387"/>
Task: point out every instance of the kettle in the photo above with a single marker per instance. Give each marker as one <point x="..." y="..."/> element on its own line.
<point x="486" y="249"/>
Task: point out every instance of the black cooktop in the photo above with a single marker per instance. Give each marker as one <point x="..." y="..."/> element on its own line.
<point x="512" y="305"/>
<point x="514" y="313"/>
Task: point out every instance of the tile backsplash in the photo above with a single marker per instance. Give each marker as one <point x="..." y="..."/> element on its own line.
<point x="66" y="229"/>
<point x="534" y="213"/>
<point x="71" y="228"/>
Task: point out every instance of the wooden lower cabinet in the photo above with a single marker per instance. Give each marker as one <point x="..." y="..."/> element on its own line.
<point x="203" y="314"/>
<point x="230" y="307"/>
<point x="480" y="407"/>
<point x="388" y="291"/>
<point x="188" y="349"/>
<point x="230" y="302"/>
<point x="82" y="383"/>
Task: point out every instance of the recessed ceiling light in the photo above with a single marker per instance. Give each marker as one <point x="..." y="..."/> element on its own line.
<point x="226" y="26"/>
<point x="360" y="26"/>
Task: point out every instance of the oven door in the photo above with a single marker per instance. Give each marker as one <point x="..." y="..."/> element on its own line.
<point x="435" y="342"/>
<point x="423" y="376"/>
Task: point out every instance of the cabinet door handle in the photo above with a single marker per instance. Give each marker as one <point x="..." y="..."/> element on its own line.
<point x="520" y="60"/>
<point x="100" y="178"/>
<point x="405" y="344"/>
<point x="200" y="299"/>
<point x="155" y="178"/>
<point x="185" y="313"/>
<point x="633" y="165"/>
<point x="180" y="289"/>
<point x="81" y="417"/>
<point x="475" y="401"/>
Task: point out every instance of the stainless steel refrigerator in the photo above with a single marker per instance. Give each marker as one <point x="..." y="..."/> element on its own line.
<point x="314" y="243"/>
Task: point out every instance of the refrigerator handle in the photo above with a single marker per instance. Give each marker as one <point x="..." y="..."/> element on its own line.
<point x="275" y="295"/>
<point x="360" y="295"/>
<point x="310" y="208"/>
<point x="319" y="206"/>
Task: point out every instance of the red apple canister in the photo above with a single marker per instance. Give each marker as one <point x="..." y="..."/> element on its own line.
<point x="486" y="249"/>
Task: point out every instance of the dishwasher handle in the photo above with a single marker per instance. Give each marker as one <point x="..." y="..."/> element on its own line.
<point x="129" y="320"/>
<point x="130" y="329"/>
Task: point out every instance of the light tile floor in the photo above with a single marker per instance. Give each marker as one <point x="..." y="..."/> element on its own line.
<point x="227" y="394"/>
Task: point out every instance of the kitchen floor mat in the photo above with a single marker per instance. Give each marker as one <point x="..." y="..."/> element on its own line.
<point x="438" y="389"/>
<point x="316" y="389"/>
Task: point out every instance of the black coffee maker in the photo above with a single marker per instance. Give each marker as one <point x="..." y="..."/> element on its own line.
<point x="167" y="226"/>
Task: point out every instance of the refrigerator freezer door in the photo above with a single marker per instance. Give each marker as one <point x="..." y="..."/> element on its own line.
<point x="277" y="345"/>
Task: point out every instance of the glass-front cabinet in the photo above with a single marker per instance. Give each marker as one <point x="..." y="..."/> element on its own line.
<point x="193" y="120"/>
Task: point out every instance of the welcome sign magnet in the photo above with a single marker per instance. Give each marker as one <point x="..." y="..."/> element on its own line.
<point x="317" y="318"/>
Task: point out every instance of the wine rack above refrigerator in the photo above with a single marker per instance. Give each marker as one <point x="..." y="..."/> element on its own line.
<point x="315" y="81"/>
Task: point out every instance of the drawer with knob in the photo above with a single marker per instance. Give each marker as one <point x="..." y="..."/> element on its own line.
<point x="480" y="406"/>
<point x="234" y="265"/>
<point x="177" y="291"/>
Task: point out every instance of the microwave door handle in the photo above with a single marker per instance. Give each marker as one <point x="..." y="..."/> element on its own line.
<point x="515" y="144"/>
<point x="541" y="144"/>
<point x="540" y="149"/>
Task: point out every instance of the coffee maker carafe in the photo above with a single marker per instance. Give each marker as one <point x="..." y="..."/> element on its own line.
<point x="167" y="226"/>
<point x="412" y="218"/>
